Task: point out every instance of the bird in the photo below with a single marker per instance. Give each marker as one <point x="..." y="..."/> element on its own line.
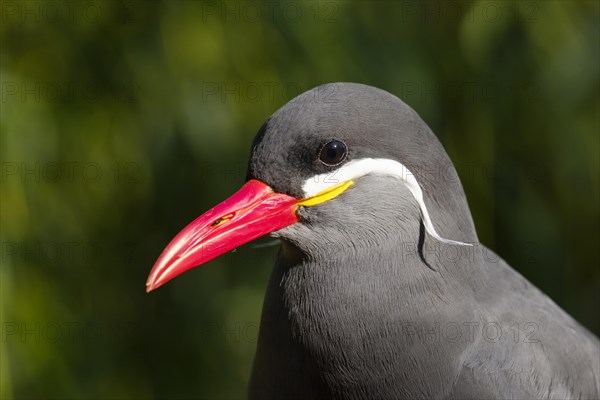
<point x="381" y="288"/>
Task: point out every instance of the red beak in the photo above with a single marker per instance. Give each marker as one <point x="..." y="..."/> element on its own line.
<point x="253" y="211"/>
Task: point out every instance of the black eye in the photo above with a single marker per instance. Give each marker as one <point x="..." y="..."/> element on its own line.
<point x="333" y="153"/>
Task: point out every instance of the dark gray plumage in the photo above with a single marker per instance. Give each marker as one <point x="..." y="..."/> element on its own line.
<point x="364" y="304"/>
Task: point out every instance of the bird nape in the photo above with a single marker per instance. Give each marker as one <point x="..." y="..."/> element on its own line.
<point x="381" y="288"/>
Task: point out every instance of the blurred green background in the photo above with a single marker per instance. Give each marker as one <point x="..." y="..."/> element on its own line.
<point x="123" y="121"/>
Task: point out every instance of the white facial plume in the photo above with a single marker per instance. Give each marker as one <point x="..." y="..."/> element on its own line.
<point x="375" y="166"/>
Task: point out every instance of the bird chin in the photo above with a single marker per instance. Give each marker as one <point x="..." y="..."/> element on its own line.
<point x="289" y="233"/>
<point x="295" y="239"/>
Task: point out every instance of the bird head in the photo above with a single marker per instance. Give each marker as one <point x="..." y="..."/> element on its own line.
<point x="342" y="160"/>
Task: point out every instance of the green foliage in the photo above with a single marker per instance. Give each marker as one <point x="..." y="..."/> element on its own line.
<point x="122" y="121"/>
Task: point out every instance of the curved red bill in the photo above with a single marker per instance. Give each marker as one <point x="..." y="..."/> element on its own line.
<point x="251" y="212"/>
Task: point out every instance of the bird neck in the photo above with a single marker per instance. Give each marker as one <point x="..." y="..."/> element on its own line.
<point x="322" y="313"/>
<point x="393" y="280"/>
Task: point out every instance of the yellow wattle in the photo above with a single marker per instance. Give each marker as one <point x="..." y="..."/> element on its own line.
<point x="326" y="194"/>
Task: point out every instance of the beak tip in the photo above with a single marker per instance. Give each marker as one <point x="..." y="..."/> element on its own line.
<point x="150" y="286"/>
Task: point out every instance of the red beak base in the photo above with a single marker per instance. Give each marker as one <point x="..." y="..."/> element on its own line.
<point x="253" y="211"/>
